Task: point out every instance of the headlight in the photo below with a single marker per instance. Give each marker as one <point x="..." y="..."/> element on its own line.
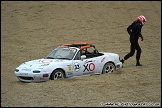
<point x="36" y="71"/>
<point x="17" y="70"/>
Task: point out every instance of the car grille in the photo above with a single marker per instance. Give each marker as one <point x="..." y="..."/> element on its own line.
<point x="26" y="78"/>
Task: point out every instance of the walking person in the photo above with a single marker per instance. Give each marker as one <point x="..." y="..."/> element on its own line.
<point x="134" y="30"/>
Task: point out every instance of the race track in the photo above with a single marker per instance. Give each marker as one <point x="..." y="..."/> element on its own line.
<point x="30" y="30"/>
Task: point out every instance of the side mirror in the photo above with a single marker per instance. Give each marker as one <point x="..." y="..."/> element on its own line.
<point x="83" y="57"/>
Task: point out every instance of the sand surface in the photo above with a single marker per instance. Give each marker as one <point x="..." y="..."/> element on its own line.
<point x="30" y="30"/>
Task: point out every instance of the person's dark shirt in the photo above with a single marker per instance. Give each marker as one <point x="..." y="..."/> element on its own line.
<point x="134" y="30"/>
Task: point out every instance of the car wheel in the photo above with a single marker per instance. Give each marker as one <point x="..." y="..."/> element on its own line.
<point x="57" y="74"/>
<point x="108" y="68"/>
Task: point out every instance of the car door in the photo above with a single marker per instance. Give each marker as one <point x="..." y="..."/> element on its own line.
<point x="83" y="67"/>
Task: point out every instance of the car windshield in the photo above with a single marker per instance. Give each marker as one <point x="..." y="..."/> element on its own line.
<point x="62" y="52"/>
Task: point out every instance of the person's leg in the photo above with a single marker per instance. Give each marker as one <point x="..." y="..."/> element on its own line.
<point x="130" y="54"/>
<point x="138" y="55"/>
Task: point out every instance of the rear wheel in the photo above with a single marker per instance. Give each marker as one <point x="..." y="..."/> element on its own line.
<point x="108" y="68"/>
<point x="57" y="74"/>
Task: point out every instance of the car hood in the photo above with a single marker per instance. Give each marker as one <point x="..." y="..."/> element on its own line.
<point x="39" y="63"/>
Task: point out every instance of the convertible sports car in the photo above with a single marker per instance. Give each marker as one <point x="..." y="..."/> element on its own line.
<point x="68" y="61"/>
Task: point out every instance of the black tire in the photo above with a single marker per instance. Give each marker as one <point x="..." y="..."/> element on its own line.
<point x="57" y="74"/>
<point x="108" y="68"/>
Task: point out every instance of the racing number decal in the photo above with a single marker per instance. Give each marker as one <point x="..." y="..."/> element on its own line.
<point x="89" y="67"/>
<point x="76" y="66"/>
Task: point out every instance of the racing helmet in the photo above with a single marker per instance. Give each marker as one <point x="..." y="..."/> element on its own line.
<point x="142" y="19"/>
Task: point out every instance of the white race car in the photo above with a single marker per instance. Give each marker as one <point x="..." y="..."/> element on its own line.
<point x="68" y="61"/>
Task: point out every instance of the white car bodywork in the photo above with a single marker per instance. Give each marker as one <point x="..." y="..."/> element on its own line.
<point x="73" y="65"/>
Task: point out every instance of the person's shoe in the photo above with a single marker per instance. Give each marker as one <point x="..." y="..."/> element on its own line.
<point x="122" y="60"/>
<point x="138" y="64"/>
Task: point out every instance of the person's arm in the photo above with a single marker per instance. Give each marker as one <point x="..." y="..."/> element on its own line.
<point x="139" y="27"/>
<point x="142" y="38"/>
<point x="138" y="32"/>
<point x="129" y="29"/>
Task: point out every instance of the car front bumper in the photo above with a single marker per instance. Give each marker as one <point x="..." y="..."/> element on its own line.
<point x="32" y="77"/>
